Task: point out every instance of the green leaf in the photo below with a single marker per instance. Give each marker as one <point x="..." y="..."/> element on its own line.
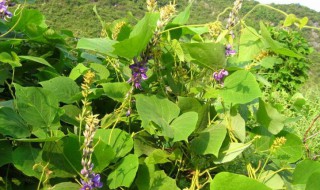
<point x="158" y="156"/>
<point x="35" y="59"/>
<point x="66" y="185"/>
<point x="102" y="46"/>
<point x="6" y="153"/>
<point x="161" y="111"/>
<point x="70" y="114"/>
<point x="313" y="181"/>
<point x="275" y="45"/>
<point x="230" y="152"/>
<point x="101" y="71"/>
<point x="28" y="160"/>
<point x="184" y="125"/>
<point x="64" y="156"/>
<point x="148" y="178"/>
<point x="103" y="154"/>
<point x="270" y="118"/>
<point x="209" y="55"/>
<point x="269" y="62"/>
<point x="124" y="173"/>
<point x="303" y="22"/>
<point x="37" y="106"/>
<point x="12" y="60"/>
<point x="240" y="87"/>
<point x="62" y="87"/>
<point x="230" y="181"/>
<point x="250" y="45"/>
<point x="292" y="150"/>
<point x="116" y="90"/>
<point x="176" y="47"/>
<point x="77" y="71"/>
<point x="238" y="127"/>
<point x="183" y="17"/>
<point x="11" y="124"/>
<point x="120" y="141"/>
<point x="139" y="37"/>
<point x="271" y="179"/>
<point x="29" y="18"/>
<point x="209" y="141"/>
<point x="290" y="20"/>
<point x="304" y="170"/>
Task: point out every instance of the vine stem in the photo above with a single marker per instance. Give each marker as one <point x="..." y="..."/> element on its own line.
<point x="305" y="138"/>
<point x="15" y="24"/>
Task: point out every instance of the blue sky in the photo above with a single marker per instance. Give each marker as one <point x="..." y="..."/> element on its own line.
<point x="312" y="4"/>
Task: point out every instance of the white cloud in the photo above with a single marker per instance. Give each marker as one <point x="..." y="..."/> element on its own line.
<point x="312" y="4"/>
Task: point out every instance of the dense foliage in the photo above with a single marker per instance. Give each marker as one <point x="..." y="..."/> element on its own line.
<point x="153" y="105"/>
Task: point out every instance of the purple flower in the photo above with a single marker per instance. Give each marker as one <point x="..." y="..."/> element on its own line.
<point x="4" y="13"/>
<point x="230" y="51"/>
<point x="92" y="182"/>
<point x="219" y="76"/>
<point x="138" y="71"/>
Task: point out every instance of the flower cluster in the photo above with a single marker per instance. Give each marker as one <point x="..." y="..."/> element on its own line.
<point x="233" y="14"/>
<point x="219" y="76"/>
<point x="89" y="180"/>
<point x="229" y="50"/>
<point x="93" y="180"/>
<point x="4" y="13"/>
<point x="138" y="71"/>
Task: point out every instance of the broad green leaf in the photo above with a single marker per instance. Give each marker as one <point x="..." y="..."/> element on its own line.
<point x="313" y="181"/>
<point x="139" y="37"/>
<point x="270" y="118"/>
<point x="35" y="59"/>
<point x="275" y="45"/>
<point x="230" y="152"/>
<point x="271" y="179"/>
<point x="103" y="46"/>
<point x="77" y="71"/>
<point x="11" y="124"/>
<point x="161" y="111"/>
<point x="230" y="181"/>
<point x="269" y="62"/>
<point x="158" y="156"/>
<point x="102" y="156"/>
<point x="303" y="22"/>
<point x="28" y="160"/>
<point x="120" y="141"/>
<point x="66" y="185"/>
<point x="304" y="170"/>
<point x="29" y="17"/>
<point x="209" y="55"/>
<point x="12" y="59"/>
<point x="64" y="156"/>
<point x="116" y="90"/>
<point x="209" y="141"/>
<point x="143" y="144"/>
<point x="290" y="20"/>
<point x="183" y="17"/>
<point x="70" y="114"/>
<point x="238" y="127"/>
<point x="177" y="49"/>
<point x="183" y="126"/>
<point x="292" y="150"/>
<point x="240" y="87"/>
<point x="101" y="71"/>
<point x="37" y="106"/>
<point x="148" y="178"/>
<point x="263" y="143"/>
<point x="62" y="87"/>
<point x="6" y="152"/>
<point x="250" y="45"/>
<point x="124" y="172"/>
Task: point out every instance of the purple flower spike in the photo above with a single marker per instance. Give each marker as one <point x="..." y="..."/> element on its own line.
<point x="219" y="76"/>
<point x="4" y="13"/>
<point x="139" y="72"/>
<point x="96" y="181"/>
<point x="230" y="51"/>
